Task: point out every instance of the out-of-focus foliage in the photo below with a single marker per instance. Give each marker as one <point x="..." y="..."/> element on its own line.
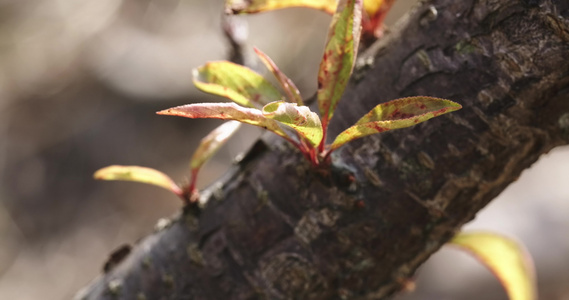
<point x="507" y="259"/>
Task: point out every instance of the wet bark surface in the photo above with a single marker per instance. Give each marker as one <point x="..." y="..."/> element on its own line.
<point x="276" y="228"/>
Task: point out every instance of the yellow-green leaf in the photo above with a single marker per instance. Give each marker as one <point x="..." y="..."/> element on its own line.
<point x="138" y="174"/>
<point x="225" y="111"/>
<point x="300" y="118"/>
<point x="255" y="6"/>
<point x="375" y="11"/>
<point x="371" y="7"/>
<point x="339" y="56"/>
<point x="236" y="82"/>
<point x="507" y="259"/>
<point x="395" y="114"/>
<point x="210" y="144"/>
<point x="288" y="86"/>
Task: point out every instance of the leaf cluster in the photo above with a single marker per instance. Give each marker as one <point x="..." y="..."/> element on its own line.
<point x="257" y="102"/>
<point x="261" y="104"/>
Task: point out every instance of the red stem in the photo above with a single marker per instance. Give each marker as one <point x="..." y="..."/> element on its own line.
<point x="326" y="155"/>
<point x="314" y="156"/>
<point x="179" y="192"/>
<point x="324" y="132"/>
<point x="191" y="189"/>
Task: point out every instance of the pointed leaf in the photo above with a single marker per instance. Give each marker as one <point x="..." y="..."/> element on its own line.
<point x="138" y="174"/>
<point x="210" y="144"/>
<point x="395" y="114"/>
<point x="236" y="82"/>
<point x="410" y="108"/>
<point x="507" y="259"/>
<point x="339" y="56"/>
<point x="225" y="111"/>
<point x="288" y="86"/>
<point x="300" y="118"/>
<point x="255" y="6"/>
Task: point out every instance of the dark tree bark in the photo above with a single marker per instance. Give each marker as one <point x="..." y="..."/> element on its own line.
<point x="275" y="228"/>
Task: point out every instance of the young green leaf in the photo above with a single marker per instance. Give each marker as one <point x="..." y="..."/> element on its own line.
<point x="339" y="56"/>
<point x="505" y="258"/>
<point x="399" y="113"/>
<point x="210" y="144"/>
<point x="288" y="86"/>
<point x="300" y="118"/>
<point x="236" y="82"/>
<point x="225" y="111"/>
<point x="255" y="6"/>
<point x="138" y="174"/>
<point x="206" y="149"/>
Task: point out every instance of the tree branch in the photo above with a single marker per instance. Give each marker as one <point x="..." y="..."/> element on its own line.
<point x="275" y="228"/>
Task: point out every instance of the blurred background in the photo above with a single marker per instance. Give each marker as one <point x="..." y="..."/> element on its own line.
<point x="80" y="82"/>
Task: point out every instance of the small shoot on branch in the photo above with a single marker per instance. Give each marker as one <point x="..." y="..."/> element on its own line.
<point x="505" y="258"/>
<point x="292" y="120"/>
<point x="208" y="146"/>
<point x="259" y="103"/>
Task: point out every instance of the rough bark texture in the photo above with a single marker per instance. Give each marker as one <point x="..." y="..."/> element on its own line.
<point x="274" y="228"/>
